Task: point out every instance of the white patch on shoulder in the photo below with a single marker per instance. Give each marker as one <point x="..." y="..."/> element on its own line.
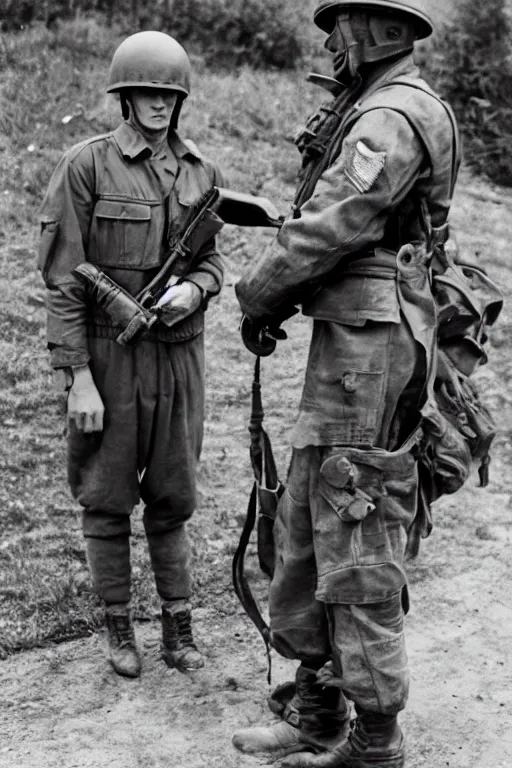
<point x="363" y="166"/>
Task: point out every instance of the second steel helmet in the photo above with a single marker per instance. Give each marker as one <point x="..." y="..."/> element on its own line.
<point x="150" y="60"/>
<point x="327" y="10"/>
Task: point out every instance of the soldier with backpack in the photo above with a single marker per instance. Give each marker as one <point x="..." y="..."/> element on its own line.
<point x="366" y="233"/>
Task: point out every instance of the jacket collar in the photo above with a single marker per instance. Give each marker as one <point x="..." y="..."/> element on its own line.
<point x="386" y="72"/>
<point x="134" y="147"/>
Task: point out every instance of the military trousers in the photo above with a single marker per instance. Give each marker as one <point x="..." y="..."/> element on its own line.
<point x="341" y="532"/>
<point x="149" y="449"/>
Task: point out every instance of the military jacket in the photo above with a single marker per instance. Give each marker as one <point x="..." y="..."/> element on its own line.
<point x="114" y="204"/>
<point x="397" y="148"/>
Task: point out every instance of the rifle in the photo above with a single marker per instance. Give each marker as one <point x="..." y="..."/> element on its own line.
<point x="137" y="314"/>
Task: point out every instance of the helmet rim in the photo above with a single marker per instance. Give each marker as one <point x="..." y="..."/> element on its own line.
<point x="126" y="85"/>
<point x="425" y="25"/>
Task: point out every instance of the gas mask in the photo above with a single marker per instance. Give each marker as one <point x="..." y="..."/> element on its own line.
<point x="361" y="37"/>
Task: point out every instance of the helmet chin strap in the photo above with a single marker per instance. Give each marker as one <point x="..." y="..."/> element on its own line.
<point x="176" y="114"/>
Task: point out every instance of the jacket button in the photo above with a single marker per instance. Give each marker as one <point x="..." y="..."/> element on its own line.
<point x="349" y="381"/>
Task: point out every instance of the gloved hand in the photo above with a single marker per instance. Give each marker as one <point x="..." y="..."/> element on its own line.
<point x="178" y="302"/>
<point x="259" y="337"/>
<point x="85" y="406"/>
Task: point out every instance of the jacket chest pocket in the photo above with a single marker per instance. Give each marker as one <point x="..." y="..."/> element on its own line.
<point x="126" y="235"/>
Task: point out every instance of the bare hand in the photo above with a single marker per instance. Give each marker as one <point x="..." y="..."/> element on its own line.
<point x="85" y="406"/>
<point x="178" y="302"/>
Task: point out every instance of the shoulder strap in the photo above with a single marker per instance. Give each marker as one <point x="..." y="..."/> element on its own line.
<point x="457" y="150"/>
<point x="440" y="188"/>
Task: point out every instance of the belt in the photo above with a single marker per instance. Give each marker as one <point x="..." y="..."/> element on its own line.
<point x="380" y="263"/>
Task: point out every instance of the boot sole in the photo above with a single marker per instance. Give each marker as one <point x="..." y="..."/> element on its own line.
<point x="125" y="673"/>
<point x="181" y="668"/>
<point x="276" y="754"/>
<point x="391" y="762"/>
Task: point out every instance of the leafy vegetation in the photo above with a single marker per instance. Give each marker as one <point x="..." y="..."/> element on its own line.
<point x="472" y="69"/>
<point x="262" y="33"/>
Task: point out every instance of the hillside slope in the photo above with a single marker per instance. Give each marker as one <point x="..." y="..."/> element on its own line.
<point x="61" y="706"/>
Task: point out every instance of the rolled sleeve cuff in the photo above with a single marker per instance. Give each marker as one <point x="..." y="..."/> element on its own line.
<point x="65" y="357"/>
<point x="206" y="282"/>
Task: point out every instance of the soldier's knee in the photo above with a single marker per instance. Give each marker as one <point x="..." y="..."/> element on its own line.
<point x="104" y="525"/>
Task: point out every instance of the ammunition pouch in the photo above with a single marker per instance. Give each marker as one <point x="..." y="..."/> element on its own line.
<point x="469" y="428"/>
<point x="468" y="303"/>
<point x="445" y="454"/>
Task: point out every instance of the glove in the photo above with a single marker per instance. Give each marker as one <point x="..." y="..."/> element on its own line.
<point x="259" y="337"/>
<point x="178" y="301"/>
<point x="85" y="406"/>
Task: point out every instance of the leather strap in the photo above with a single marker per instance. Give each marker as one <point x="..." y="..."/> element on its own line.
<point x="266" y="484"/>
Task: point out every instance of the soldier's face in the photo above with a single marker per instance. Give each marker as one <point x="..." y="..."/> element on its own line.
<point x="153" y="107"/>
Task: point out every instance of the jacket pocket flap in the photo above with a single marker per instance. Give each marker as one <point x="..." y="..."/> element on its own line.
<point x="356" y="299"/>
<point x="115" y="209"/>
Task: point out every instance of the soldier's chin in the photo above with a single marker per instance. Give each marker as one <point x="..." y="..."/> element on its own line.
<point x="158" y="126"/>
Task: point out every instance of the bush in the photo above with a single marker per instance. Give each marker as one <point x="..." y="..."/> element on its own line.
<point x="234" y="32"/>
<point x="471" y="69"/>
<point x="262" y="33"/>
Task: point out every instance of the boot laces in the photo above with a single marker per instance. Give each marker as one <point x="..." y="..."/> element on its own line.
<point x="123" y="630"/>
<point x="184" y="627"/>
<point x="179" y="630"/>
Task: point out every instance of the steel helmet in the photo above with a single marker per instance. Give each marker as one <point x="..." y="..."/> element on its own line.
<point x="327" y="10"/>
<point x="150" y="60"/>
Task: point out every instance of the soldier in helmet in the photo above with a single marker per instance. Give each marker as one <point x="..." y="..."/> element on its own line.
<point x="135" y="413"/>
<point x="379" y="163"/>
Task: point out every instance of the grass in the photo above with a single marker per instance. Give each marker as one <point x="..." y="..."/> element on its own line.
<point x="246" y="120"/>
<point x="44" y="585"/>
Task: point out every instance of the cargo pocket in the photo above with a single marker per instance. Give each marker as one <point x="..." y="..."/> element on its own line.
<point x="47" y="243"/>
<point x="124" y="236"/>
<point x="359" y="552"/>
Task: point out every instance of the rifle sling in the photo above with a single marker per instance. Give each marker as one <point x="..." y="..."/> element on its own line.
<point x="240" y="583"/>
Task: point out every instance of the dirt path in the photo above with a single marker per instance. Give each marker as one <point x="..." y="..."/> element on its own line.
<point x="64" y="708"/>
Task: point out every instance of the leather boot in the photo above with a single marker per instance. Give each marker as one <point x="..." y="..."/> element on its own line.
<point x="124" y="655"/>
<point x="375" y="741"/>
<point x="178" y="648"/>
<point x="317" y="720"/>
